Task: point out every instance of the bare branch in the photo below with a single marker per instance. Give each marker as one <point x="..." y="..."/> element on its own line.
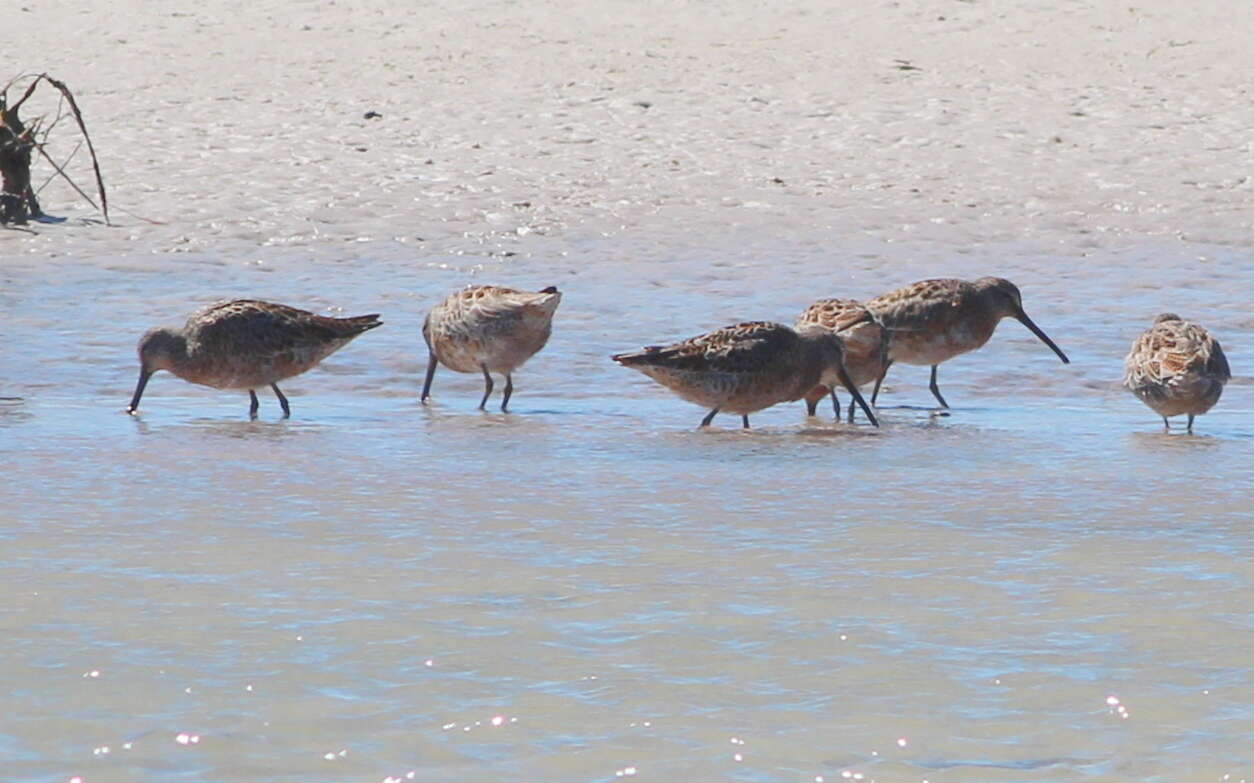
<point x="66" y="177"/>
<point x="51" y="177"/>
<point x="95" y="163"/>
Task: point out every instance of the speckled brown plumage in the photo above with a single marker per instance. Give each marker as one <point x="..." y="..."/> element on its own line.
<point x="932" y="321"/>
<point x="862" y="338"/>
<point x="1176" y="367"/>
<point x="746" y="367"/>
<point x="488" y="328"/>
<point x="245" y="344"/>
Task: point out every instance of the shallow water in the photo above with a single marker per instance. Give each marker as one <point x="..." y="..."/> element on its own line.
<point x="1041" y="586"/>
<point x="589" y="588"/>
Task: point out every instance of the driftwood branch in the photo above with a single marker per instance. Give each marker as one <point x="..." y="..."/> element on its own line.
<point x="66" y="177"/>
<point x="95" y="163"/>
<point x="18" y="200"/>
<point x="66" y="162"/>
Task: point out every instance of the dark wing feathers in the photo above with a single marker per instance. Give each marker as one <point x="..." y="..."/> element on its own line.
<point x="352" y="326"/>
<point x="925" y="301"/>
<point x="1217" y="364"/>
<point x="745" y="347"/>
<point x="256" y="326"/>
<point x="836" y="314"/>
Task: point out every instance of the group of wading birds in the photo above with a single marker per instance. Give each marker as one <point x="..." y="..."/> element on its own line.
<point x="1175" y="367"/>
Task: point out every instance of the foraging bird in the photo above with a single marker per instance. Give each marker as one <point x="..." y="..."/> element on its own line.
<point x="932" y="321"/>
<point x="245" y="344"/>
<point x="861" y="337"/>
<point x="1176" y="367"/>
<point x="488" y="328"/>
<point x="747" y="367"/>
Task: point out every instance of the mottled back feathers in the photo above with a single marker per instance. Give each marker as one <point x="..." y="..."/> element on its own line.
<point x="249" y="326"/>
<point x="490" y="326"/>
<point x="245" y="344"/>
<point x="744" y="348"/>
<point x="1176" y="367"/>
<point x="745" y="367"/>
<point x="857" y="329"/>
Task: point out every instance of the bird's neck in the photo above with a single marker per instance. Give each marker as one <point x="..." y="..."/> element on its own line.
<point x="178" y="353"/>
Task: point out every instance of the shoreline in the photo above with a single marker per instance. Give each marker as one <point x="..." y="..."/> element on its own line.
<point x="241" y="128"/>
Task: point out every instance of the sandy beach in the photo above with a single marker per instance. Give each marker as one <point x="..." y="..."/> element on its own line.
<point x="1075" y="128"/>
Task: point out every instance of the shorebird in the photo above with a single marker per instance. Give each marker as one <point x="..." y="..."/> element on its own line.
<point x="932" y="321"/>
<point x="1176" y="367"/>
<point x="245" y="344"/>
<point x="487" y="328"/>
<point x="747" y="367"/>
<point x="864" y="359"/>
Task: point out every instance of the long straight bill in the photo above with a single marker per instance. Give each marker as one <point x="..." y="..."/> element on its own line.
<point x="857" y="396"/>
<point x="144" y="375"/>
<point x="1036" y="330"/>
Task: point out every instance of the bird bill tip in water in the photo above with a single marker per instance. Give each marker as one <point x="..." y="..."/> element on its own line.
<point x="144" y="375"/>
<point x="852" y="388"/>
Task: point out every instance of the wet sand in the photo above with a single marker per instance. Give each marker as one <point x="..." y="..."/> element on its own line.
<point x="361" y="591"/>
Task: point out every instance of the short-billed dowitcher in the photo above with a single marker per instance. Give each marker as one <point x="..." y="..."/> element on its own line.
<point x="932" y="321"/>
<point x="487" y="328"/>
<point x="245" y="344"/>
<point x="1176" y="367"/>
<point x="862" y="339"/>
<point x="747" y="367"/>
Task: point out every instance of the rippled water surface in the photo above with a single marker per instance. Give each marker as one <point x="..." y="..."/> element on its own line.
<point x="1041" y="586"/>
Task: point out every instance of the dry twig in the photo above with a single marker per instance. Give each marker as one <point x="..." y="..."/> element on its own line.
<point x="17" y="198"/>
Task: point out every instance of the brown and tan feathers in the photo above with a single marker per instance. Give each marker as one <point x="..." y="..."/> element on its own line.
<point x="490" y="326"/>
<point x="859" y="332"/>
<point x="739" y="369"/>
<point x="745" y="348"/>
<point x="1176" y="367"/>
<point x="922" y="302"/>
<point x="247" y="343"/>
<point x="934" y="320"/>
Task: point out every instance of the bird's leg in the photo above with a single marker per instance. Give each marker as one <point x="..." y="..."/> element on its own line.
<point x="885" y="362"/>
<point x="744" y="421"/>
<point x="253" y="405"/>
<point x="426" y="387"/>
<point x="709" y="418"/>
<point x="509" y="389"/>
<point x="936" y="389"/>
<point x="812" y="399"/>
<point x="875" y="393"/>
<point x="287" y="411"/>
<point x="487" y="386"/>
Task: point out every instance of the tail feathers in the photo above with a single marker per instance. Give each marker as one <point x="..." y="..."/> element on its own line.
<point x="649" y="355"/>
<point x="545" y="300"/>
<point x="361" y="323"/>
<point x="864" y="317"/>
